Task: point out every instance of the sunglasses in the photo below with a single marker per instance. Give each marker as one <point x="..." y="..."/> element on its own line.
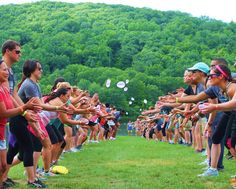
<point x="195" y="71"/>
<point x="17" y="51"/>
<point x="210" y="76"/>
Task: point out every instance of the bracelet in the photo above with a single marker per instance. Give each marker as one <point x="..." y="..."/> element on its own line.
<point x="57" y="108"/>
<point x="24" y="113"/>
<point x="177" y="100"/>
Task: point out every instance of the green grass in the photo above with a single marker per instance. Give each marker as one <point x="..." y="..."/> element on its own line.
<point x="133" y="162"/>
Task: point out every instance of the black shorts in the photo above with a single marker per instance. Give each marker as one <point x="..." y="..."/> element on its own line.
<point x="91" y="124"/>
<point x="37" y="145"/>
<point x="105" y="126"/>
<point x="220" y="129"/>
<point x="151" y="132"/>
<point x="54" y="135"/>
<point x="61" y="129"/>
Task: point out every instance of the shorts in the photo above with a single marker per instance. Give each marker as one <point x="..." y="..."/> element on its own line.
<point x="151" y="132"/>
<point x="37" y="145"/>
<point x="3" y="145"/>
<point x="54" y="135"/>
<point x="90" y="123"/>
<point x="158" y="127"/>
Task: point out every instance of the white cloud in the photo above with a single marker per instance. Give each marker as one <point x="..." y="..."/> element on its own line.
<point x="220" y="9"/>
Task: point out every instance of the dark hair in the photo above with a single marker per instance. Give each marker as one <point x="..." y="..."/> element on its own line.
<point x="1" y="61"/>
<point x="225" y="70"/>
<point x="9" y="44"/>
<point x="221" y="61"/>
<point x="58" y="93"/>
<point x="58" y="80"/>
<point x="28" y="68"/>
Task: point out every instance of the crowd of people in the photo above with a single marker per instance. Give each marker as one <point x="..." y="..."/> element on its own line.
<point x="203" y="115"/>
<point x="48" y="125"/>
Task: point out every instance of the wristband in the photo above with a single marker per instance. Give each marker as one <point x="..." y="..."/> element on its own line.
<point x="24" y="113"/>
<point x="57" y="108"/>
<point x="177" y="100"/>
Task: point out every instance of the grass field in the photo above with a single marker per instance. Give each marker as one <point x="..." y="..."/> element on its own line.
<point x="132" y="162"/>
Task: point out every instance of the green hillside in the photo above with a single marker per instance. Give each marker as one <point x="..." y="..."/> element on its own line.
<point x="150" y="48"/>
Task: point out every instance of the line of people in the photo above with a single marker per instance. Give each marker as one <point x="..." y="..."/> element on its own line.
<point x="203" y="115"/>
<point x="45" y="125"/>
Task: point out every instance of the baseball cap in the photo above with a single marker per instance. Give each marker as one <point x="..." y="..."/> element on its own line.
<point x="201" y="66"/>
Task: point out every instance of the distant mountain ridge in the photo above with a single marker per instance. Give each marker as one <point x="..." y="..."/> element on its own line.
<point x="114" y="36"/>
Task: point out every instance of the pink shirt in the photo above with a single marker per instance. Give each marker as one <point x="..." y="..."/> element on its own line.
<point x="6" y="99"/>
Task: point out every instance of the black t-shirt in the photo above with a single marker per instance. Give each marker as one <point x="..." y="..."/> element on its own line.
<point x="189" y="90"/>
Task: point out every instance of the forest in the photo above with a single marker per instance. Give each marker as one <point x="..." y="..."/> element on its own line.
<point x="88" y="44"/>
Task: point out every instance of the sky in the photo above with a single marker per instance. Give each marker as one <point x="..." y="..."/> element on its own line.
<point x="218" y="9"/>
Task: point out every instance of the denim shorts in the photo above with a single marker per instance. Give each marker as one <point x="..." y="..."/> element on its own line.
<point x="3" y="145"/>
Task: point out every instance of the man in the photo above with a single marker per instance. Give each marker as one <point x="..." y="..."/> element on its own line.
<point x="11" y="53"/>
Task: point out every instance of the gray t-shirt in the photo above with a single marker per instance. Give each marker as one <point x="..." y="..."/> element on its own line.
<point x="28" y="90"/>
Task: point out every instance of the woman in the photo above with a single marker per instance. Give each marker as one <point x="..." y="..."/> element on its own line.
<point x="28" y="142"/>
<point x="7" y="109"/>
<point x="220" y="76"/>
<point x="59" y="97"/>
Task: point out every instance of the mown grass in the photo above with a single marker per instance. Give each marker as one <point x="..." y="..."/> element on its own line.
<point x="134" y="163"/>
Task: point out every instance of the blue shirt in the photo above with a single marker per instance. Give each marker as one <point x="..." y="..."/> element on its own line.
<point x="29" y="89"/>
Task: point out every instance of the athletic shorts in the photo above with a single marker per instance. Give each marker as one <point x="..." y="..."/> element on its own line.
<point x="54" y="135"/>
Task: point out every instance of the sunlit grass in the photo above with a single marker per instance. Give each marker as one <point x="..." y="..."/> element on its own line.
<point x="133" y="162"/>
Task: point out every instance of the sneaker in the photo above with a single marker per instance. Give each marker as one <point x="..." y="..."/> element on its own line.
<point x="79" y="147"/>
<point x="48" y="174"/>
<point x="35" y="185"/>
<point x="209" y="172"/>
<point x="39" y="170"/>
<point x="205" y="162"/>
<point x="5" y="185"/>
<point x="10" y="182"/>
<point x="229" y="157"/>
<point x="41" y="183"/>
<point x="74" y="149"/>
<point x="171" y="142"/>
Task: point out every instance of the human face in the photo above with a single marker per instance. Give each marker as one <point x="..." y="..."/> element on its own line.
<point x="4" y="74"/>
<point x="213" y="64"/>
<point x="187" y="77"/>
<point x="15" y="54"/>
<point x="214" y="79"/>
<point x="65" y="98"/>
<point x="196" y="76"/>
<point x="38" y="71"/>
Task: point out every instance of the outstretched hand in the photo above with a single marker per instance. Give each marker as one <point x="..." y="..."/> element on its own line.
<point x="207" y="108"/>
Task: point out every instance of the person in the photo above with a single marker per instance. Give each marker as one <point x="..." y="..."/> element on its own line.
<point x="11" y="53"/>
<point x="221" y="76"/>
<point x="7" y="109"/>
<point x="214" y="124"/>
<point x="129" y="127"/>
